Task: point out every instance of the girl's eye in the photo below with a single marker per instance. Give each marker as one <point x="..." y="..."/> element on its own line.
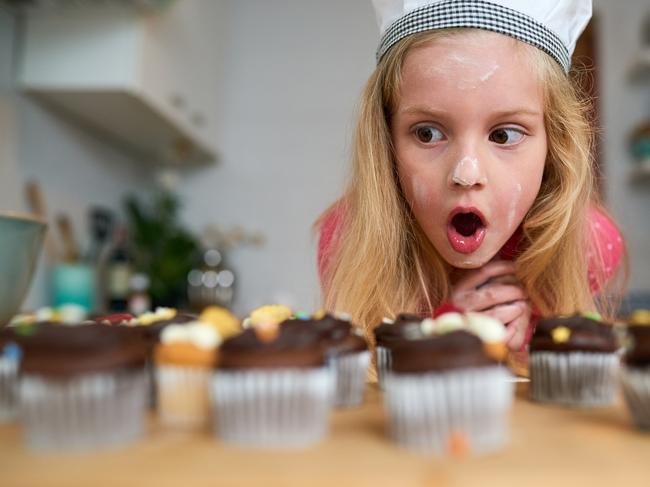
<point x="428" y="134"/>
<point x="506" y="136"/>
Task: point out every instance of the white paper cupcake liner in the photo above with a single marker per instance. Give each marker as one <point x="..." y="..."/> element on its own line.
<point x="350" y="378"/>
<point x="428" y="411"/>
<point x="574" y="378"/>
<point x="183" y="395"/>
<point x="636" y="390"/>
<point x="152" y="389"/>
<point x="272" y="407"/>
<point x="8" y="389"/>
<point x="94" y="410"/>
<point x="383" y="361"/>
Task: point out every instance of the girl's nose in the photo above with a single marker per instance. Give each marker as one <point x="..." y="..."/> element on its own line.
<point x="467" y="173"/>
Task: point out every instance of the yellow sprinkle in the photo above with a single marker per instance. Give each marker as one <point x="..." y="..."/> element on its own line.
<point x="640" y="317"/>
<point x="159" y="315"/>
<point x="273" y="313"/>
<point x="319" y="314"/>
<point x="561" y="334"/>
<point x="222" y="320"/>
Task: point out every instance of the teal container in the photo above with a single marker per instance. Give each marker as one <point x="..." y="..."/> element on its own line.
<point x="21" y="239"/>
<point x="74" y="284"/>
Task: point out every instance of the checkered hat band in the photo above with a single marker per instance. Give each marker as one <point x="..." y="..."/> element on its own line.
<point x="480" y="15"/>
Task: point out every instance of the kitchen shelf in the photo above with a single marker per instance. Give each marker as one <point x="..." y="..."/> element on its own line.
<point x="125" y="75"/>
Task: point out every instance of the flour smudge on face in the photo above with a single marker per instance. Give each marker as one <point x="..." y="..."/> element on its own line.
<point x="421" y="191"/>
<point x="475" y="72"/>
<point x="514" y="204"/>
<point x="468" y="173"/>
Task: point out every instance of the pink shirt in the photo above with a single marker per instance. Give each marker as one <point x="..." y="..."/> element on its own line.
<point x="605" y="236"/>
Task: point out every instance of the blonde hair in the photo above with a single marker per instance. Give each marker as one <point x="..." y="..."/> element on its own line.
<point x="383" y="264"/>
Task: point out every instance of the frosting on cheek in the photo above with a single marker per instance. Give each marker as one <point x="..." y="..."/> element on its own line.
<point x="421" y="192"/>
<point x="515" y="202"/>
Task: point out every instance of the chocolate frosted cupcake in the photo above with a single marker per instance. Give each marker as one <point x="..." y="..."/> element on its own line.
<point x="346" y="352"/>
<point x="635" y="372"/>
<point x="82" y="387"/>
<point x="272" y="388"/>
<point x="573" y="361"/>
<point x="389" y="333"/>
<point x="444" y="393"/>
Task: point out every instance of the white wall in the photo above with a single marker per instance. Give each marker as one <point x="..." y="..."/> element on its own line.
<point x="624" y="106"/>
<point x="292" y="73"/>
<point x="74" y="167"/>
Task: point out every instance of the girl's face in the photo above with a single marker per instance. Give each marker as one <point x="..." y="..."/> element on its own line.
<point x="470" y="142"/>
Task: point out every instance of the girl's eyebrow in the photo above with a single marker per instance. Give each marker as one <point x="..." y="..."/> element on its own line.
<point x="517" y="112"/>
<point x="423" y="110"/>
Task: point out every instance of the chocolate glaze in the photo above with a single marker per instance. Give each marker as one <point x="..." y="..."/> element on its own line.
<point x="587" y="335"/>
<point x="405" y="325"/>
<point x="288" y="349"/>
<point x="638" y="353"/>
<point x="60" y="351"/>
<point x="154" y="330"/>
<point x="454" y="350"/>
<point x="335" y="335"/>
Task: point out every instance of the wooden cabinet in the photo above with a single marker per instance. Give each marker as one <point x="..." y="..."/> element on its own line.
<point x="140" y="78"/>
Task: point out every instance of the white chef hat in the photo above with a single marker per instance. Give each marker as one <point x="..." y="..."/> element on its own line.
<point x="550" y="25"/>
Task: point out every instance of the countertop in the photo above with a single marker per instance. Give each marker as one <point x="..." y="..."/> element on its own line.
<point x="549" y="445"/>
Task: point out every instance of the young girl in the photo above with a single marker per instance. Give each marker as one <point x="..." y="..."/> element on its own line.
<point x="472" y="178"/>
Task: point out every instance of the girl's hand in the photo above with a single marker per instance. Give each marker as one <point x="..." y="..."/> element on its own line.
<point x="494" y="290"/>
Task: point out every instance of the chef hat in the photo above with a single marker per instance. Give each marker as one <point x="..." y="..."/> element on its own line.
<point x="550" y="25"/>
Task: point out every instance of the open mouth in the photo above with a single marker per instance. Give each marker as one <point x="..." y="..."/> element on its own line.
<point x="466" y="223"/>
<point x="466" y="230"/>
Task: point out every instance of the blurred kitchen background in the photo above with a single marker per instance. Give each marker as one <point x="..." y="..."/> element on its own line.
<point x="182" y="149"/>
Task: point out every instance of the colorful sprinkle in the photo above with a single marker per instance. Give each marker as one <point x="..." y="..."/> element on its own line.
<point x="561" y="334"/>
<point x="458" y="444"/>
<point x="320" y="314"/>
<point x="25" y="329"/>
<point x="640" y="317"/>
<point x="592" y="315"/>
<point x="12" y="351"/>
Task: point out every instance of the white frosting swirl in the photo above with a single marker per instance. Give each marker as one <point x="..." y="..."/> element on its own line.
<point x="487" y="328"/>
<point x="197" y="333"/>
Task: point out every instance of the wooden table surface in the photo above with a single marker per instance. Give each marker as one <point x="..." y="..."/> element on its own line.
<point x="549" y="445"/>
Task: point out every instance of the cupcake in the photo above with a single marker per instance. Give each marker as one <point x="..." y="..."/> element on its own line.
<point x="184" y="360"/>
<point x="409" y="326"/>
<point x="635" y="372"/>
<point x="388" y="333"/>
<point x="446" y="394"/>
<point x="345" y="350"/>
<point x="272" y="388"/>
<point x="573" y="361"/>
<point x="82" y="387"/>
